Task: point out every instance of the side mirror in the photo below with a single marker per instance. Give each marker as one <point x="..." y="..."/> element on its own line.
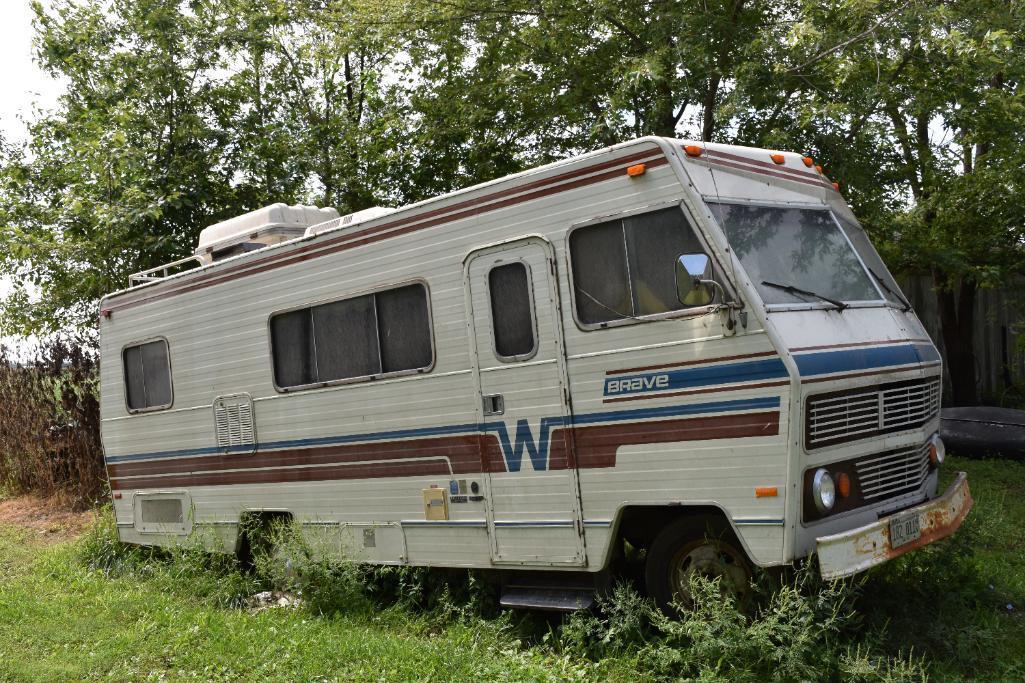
<point x="693" y="279"/>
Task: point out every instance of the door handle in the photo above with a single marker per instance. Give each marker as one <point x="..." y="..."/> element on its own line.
<point x="494" y="404"/>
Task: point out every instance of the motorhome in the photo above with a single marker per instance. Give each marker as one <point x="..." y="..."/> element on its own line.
<point x="684" y="352"/>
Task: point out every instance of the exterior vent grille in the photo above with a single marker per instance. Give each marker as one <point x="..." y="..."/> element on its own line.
<point x="233" y="423"/>
<point x="888" y="475"/>
<point x="858" y="414"/>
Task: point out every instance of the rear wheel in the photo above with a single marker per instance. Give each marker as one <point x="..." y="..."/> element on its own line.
<point x="692" y="547"/>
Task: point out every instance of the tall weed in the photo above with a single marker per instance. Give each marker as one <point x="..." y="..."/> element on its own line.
<point x="800" y="631"/>
<point x="50" y="423"/>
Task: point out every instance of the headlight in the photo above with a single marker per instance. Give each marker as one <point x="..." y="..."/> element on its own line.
<point x="823" y="491"/>
<point x="937" y="450"/>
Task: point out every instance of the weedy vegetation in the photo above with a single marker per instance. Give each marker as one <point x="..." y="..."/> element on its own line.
<point x="49" y="423"/>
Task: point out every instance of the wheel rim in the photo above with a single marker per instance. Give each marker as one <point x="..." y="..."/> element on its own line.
<point x="710" y="559"/>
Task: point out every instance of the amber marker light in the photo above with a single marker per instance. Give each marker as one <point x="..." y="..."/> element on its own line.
<point x="836" y="186"/>
<point x="819" y="169"/>
<point x="636" y="170"/>
<point x="766" y="492"/>
<point x="808" y="161"/>
<point x="843" y="484"/>
<point x="693" y="150"/>
<point x="778" y="158"/>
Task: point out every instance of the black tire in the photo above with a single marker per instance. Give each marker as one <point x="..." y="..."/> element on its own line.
<point x="705" y="546"/>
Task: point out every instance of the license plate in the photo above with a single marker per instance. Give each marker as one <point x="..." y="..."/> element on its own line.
<point x="904" y="530"/>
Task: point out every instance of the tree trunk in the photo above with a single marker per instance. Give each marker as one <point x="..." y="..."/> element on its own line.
<point x="957" y="320"/>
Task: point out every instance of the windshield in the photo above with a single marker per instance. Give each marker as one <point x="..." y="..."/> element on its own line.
<point x="870" y="257"/>
<point x="798" y="248"/>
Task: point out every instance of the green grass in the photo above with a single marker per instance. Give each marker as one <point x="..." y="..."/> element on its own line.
<point x="95" y="610"/>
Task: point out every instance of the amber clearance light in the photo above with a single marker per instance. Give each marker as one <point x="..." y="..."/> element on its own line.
<point x="693" y="150"/>
<point x="778" y="158"/>
<point x="636" y="170"/>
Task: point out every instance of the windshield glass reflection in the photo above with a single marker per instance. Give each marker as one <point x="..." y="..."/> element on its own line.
<point x="803" y="248"/>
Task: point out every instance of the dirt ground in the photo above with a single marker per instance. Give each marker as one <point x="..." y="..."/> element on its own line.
<point x="51" y="518"/>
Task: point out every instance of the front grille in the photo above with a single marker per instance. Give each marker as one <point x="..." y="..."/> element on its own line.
<point x="892" y="474"/>
<point x="860" y="413"/>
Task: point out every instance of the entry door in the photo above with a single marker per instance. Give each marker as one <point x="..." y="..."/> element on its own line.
<point x="533" y="501"/>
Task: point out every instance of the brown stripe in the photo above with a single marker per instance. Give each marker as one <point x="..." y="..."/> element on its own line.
<point x="751" y="169"/>
<point x="595" y="447"/>
<point x="886" y="371"/>
<point x="412" y="223"/>
<point x="849" y="345"/>
<point x="691" y="362"/>
<point x="463" y="451"/>
<point x="710" y="390"/>
<point x="769" y="166"/>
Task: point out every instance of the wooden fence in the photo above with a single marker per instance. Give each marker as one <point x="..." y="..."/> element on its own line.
<point x="999" y="336"/>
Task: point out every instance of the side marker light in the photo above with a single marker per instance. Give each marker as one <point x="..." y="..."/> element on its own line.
<point x="636" y="170"/>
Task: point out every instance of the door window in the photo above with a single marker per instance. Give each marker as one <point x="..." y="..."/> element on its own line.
<point x="512" y="311"/>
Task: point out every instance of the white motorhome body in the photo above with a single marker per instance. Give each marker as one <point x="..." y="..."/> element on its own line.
<point x="504" y="377"/>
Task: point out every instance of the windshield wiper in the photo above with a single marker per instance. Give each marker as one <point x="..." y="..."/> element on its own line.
<point x="790" y="289"/>
<point x="902" y="300"/>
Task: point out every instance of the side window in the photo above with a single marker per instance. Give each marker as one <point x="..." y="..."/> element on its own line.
<point x="364" y="336"/>
<point x="147" y="376"/>
<point x="626" y="268"/>
<point x="512" y="311"/>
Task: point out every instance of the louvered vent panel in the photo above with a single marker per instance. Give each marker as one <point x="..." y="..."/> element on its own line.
<point x="892" y="474"/>
<point x="861" y="413"/>
<point x="233" y="423"/>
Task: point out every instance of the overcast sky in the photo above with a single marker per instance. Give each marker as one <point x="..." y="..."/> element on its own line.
<point x="24" y="84"/>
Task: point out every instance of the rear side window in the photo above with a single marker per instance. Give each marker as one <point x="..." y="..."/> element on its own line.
<point x="147" y="371"/>
<point x="626" y="268"/>
<point x="361" y="337"/>
<point x="512" y="311"/>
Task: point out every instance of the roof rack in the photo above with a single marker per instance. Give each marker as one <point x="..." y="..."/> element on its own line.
<point x="162" y="272"/>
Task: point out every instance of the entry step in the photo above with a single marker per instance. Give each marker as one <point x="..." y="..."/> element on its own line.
<point x="551" y="599"/>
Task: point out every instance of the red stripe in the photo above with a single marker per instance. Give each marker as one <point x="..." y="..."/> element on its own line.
<point x="404" y="225"/>
<point x="595" y="447"/>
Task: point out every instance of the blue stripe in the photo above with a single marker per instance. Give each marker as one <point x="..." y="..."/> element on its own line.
<point x="524" y="440"/>
<point x="444" y="522"/>
<point x="664" y="380"/>
<point x="846" y="360"/>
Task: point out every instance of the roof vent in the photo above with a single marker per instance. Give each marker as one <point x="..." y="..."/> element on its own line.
<point x="349" y="219"/>
<point x="258" y="229"/>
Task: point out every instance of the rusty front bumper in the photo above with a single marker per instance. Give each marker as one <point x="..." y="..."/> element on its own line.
<point x="856" y="550"/>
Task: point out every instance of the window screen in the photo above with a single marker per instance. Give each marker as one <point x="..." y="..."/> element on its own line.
<point x="512" y="315"/>
<point x="364" y="336"/>
<point x="627" y="267"/>
<point x="147" y="375"/>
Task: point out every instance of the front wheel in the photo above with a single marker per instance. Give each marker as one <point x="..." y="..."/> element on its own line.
<point x="694" y="547"/>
